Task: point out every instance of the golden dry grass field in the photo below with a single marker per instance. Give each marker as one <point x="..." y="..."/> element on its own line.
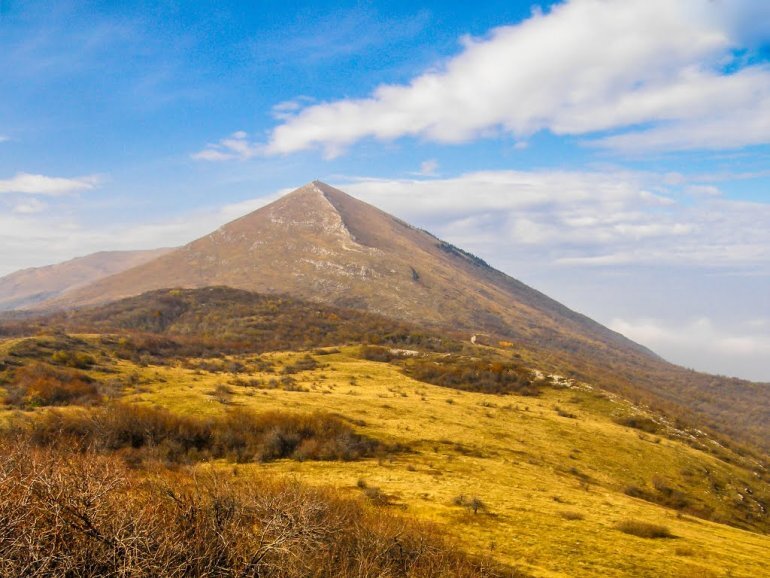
<point x="532" y="468"/>
<point x="548" y="474"/>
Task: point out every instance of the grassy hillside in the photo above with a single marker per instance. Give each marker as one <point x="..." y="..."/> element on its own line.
<point x="321" y="245"/>
<point x="222" y="319"/>
<point x="566" y="481"/>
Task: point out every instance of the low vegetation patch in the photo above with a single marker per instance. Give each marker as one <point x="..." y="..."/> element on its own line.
<point x="147" y="433"/>
<point x="459" y="372"/>
<point x="40" y="384"/>
<point x="473" y="375"/>
<point x="664" y="494"/>
<point x="643" y="529"/>
<point x="471" y="503"/>
<point x="569" y="515"/>
<point x="306" y="363"/>
<point x="642" y="423"/>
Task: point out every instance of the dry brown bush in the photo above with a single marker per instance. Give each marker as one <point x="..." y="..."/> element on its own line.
<point x="241" y="435"/>
<point x="39" y="384"/>
<point x="87" y="515"/>
<point x="643" y="529"/>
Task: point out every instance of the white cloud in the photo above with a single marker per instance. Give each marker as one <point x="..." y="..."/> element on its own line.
<point x="42" y="185"/>
<point x="284" y="110"/>
<point x="236" y="146"/>
<point x="703" y="190"/>
<point x="701" y="343"/>
<point x="586" y="66"/>
<point x="580" y="218"/>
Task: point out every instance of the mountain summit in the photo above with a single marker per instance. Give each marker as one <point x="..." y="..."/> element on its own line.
<point x="321" y="244"/>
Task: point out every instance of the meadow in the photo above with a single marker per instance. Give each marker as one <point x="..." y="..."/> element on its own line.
<point x="554" y="483"/>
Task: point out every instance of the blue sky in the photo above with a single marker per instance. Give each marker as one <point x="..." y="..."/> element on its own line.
<point x="614" y="154"/>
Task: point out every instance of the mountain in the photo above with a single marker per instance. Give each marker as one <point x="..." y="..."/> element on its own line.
<point x="29" y="287"/>
<point x="320" y="244"/>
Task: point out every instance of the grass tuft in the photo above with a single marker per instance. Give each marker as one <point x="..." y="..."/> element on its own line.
<point x="643" y="529"/>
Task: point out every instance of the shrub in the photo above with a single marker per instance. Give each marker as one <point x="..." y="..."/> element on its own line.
<point x="472" y="374"/>
<point x="223" y="393"/>
<point x="664" y="495"/>
<point x="572" y="515"/>
<point x="638" y="422"/>
<point x="240" y="435"/>
<point x="307" y="363"/>
<point x="563" y="413"/>
<point x="75" y="359"/>
<point x="40" y="384"/>
<point x="376" y="496"/>
<point x="643" y="529"/>
<point x="377" y="353"/>
<point x="472" y="504"/>
<point x="87" y="515"/>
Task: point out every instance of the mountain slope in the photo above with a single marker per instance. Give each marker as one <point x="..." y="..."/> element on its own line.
<point x="318" y="243"/>
<point x="28" y="287"/>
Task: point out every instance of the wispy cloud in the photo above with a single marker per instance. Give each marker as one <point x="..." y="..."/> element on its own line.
<point x="29" y="207"/>
<point x="42" y="185"/>
<point x="428" y="168"/>
<point x="585" y="67"/>
<point x="236" y="146"/>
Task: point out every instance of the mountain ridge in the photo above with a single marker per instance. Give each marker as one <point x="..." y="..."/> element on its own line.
<point x="27" y="287"/>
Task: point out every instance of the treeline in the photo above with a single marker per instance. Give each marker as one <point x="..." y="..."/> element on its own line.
<point x="88" y="515"/>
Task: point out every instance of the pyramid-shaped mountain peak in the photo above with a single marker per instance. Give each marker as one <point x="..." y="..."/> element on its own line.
<point x="319" y="243"/>
<point x="306" y="209"/>
<point x="315" y="189"/>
